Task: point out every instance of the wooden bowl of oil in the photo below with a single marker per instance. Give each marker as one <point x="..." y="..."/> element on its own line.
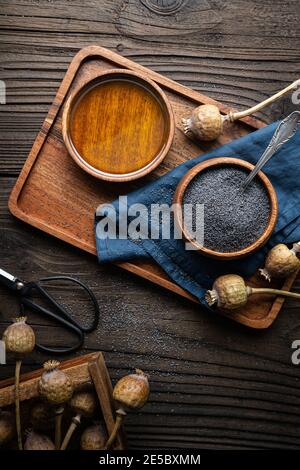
<point x="119" y="126"/>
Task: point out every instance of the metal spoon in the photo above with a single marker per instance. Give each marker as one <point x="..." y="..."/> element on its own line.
<point x="283" y="133"/>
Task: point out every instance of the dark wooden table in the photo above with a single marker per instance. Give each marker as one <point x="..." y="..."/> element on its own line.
<point x="215" y="384"/>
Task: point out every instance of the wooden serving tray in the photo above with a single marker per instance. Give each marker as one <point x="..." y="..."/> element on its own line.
<point x="53" y="194"/>
<point x="86" y="369"/>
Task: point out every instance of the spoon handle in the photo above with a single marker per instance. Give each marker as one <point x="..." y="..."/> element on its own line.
<point x="283" y="133"/>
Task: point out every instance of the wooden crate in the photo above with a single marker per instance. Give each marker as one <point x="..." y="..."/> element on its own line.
<point x="87" y="369"/>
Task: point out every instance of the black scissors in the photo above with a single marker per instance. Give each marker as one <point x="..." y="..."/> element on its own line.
<point x="24" y="291"/>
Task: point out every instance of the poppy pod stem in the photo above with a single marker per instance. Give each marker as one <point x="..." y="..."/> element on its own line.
<point x="121" y="413"/>
<point x="58" y="419"/>
<point x="239" y="115"/>
<point x="74" y="423"/>
<point x="17" y="403"/>
<point x="266" y="290"/>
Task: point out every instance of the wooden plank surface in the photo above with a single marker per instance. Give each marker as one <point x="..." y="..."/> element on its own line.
<point x="214" y="384"/>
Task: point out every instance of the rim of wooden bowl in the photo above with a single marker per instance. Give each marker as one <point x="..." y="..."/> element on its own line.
<point x="167" y="111"/>
<point x="223" y="161"/>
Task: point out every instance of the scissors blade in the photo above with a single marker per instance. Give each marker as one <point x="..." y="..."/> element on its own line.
<point x="9" y="280"/>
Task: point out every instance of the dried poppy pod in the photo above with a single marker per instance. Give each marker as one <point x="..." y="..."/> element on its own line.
<point x="7" y="427"/>
<point x="230" y="292"/>
<point x="94" y="437"/>
<point x="206" y="122"/>
<point x="42" y="417"/>
<point x="56" y="386"/>
<point x="84" y="405"/>
<point x="19" y="338"/>
<point x="131" y="391"/>
<point x="281" y="262"/>
<point x="37" y="441"/>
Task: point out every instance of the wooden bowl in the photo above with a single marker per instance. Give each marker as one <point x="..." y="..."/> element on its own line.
<point x="119" y="126"/>
<point x="222" y="161"/>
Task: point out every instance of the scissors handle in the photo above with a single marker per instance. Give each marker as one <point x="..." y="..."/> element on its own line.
<point x="59" y="314"/>
<point x="88" y="291"/>
<point x="48" y="349"/>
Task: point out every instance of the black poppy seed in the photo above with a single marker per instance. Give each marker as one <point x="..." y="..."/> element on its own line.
<point x="233" y="219"/>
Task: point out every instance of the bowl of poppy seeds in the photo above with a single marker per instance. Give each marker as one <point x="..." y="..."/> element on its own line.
<point x="236" y="222"/>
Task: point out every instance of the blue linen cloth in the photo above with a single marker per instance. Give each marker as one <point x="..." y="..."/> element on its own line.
<point x="191" y="270"/>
